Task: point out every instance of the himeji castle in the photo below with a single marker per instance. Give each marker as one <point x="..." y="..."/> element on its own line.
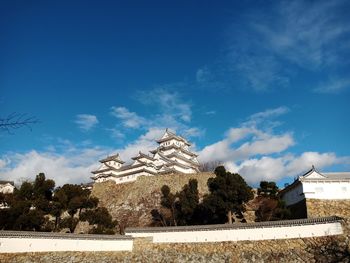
<point x="171" y="156"/>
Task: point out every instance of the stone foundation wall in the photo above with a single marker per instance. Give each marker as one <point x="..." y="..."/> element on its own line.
<point x="321" y="208"/>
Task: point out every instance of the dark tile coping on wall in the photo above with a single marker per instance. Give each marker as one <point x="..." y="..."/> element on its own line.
<point x="282" y="223"/>
<point x="51" y="235"/>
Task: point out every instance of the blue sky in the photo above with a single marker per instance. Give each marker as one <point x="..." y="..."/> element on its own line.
<point x="262" y="86"/>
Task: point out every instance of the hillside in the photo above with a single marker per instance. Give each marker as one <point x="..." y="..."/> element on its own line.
<point x="131" y="203"/>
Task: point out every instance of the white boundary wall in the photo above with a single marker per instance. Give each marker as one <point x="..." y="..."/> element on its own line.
<point x="242" y="234"/>
<point x="39" y="244"/>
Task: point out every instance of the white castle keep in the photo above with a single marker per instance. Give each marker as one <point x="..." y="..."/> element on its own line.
<point x="171" y="156"/>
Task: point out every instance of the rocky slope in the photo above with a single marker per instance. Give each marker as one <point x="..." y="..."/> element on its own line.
<point x="131" y="203"/>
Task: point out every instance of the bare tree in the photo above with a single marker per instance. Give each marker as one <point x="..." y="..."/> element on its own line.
<point x="209" y="166"/>
<point x="17" y="120"/>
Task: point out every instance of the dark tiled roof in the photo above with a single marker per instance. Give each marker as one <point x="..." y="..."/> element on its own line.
<point x="51" y="235"/>
<point x="182" y="158"/>
<point x="164" y="148"/>
<point x="134" y="172"/>
<point x="112" y="158"/>
<point x="282" y="223"/>
<point x="142" y="155"/>
<point x="338" y="176"/>
<point x="7" y="182"/>
<point x="289" y="187"/>
<point x="332" y="176"/>
<point x="172" y="136"/>
<point x="109" y="168"/>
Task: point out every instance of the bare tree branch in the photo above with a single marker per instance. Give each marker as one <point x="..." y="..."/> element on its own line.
<point x="209" y="166"/>
<point x="15" y="121"/>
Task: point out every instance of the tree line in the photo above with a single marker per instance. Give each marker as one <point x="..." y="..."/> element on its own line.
<point x="225" y="202"/>
<point x="39" y="206"/>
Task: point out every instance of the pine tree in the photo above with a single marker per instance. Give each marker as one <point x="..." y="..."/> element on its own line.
<point x="227" y="194"/>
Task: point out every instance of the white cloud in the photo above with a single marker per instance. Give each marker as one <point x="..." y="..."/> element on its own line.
<point x="266" y="168"/>
<point x="73" y="163"/>
<point x="211" y="112"/>
<point x="67" y="167"/>
<point x="333" y="86"/>
<point x="270" y="113"/>
<point x="255" y="170"/>
<point x="144" y="143"/>
<point x="171" y="112"/>
<point x="225" y="150"/>
<point x="3" y="163"/>
<point x="257" y="153"/>
<point x="307" y="159"/>
<point x="129" y="119"/>
<point x="274" y="144"/>
<point x="256" y="140"/>
<point x="267" y="50"/>
<point x="116" y="133"/>
<point x="203" y="75"/>
<point x="86" y="121"/>
<point x="313" y="30"/>
<point x="169" y="102"/>
<point x="260" y="72"/>
<point x="193" y="132"/>
<point x="253" y="150"/>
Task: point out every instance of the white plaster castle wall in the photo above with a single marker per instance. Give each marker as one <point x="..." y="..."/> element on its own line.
<point x="264" y="233"/>
<point x="294" y="196"/>
<point x="169" y="151"/>
<point x="15" y="245"/>
<point x="327" y="190"/>
<point x="187" y="155"/>
<point x="145" y="160"/>
<point x="130" y="178"/>
<point x="121" y="173"/>
<point x="180" y="161"/>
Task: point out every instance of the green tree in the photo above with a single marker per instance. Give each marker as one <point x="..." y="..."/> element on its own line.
<point x="69" y="222"/>
<point x="71" y="198"/>
<point x="30" y="205"/>
<point x="42" y="187"/>
<point x="101" y="218"/>
<point x="227" y="194"/>
<point x="187" y="202"/>
<point x="31" y="221"/>
<point x="168" y="200"/>
<point x="177" y="208"/>
<point x="25" y="192"/>
<point x="158" y="218"/>
<point x="271" y="207"/>
<point x="268" y="189"/>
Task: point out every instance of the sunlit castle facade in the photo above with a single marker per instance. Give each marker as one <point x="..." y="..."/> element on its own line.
<point x="316" y="185"/>
<point x="171" y="156"/>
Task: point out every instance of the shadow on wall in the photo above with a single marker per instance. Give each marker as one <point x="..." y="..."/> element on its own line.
<point x="298" y="210"/>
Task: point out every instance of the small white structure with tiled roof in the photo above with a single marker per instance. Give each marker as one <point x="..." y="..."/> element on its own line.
<point x="316" y="185"/>
<point x="7" y="187"/>
<point x="171" y="156"/>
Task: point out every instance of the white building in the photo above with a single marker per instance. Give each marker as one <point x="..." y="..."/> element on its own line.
<point x="7" y="187"/>
<point x="316" y="185"/>
<point x="171" y="156"/>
